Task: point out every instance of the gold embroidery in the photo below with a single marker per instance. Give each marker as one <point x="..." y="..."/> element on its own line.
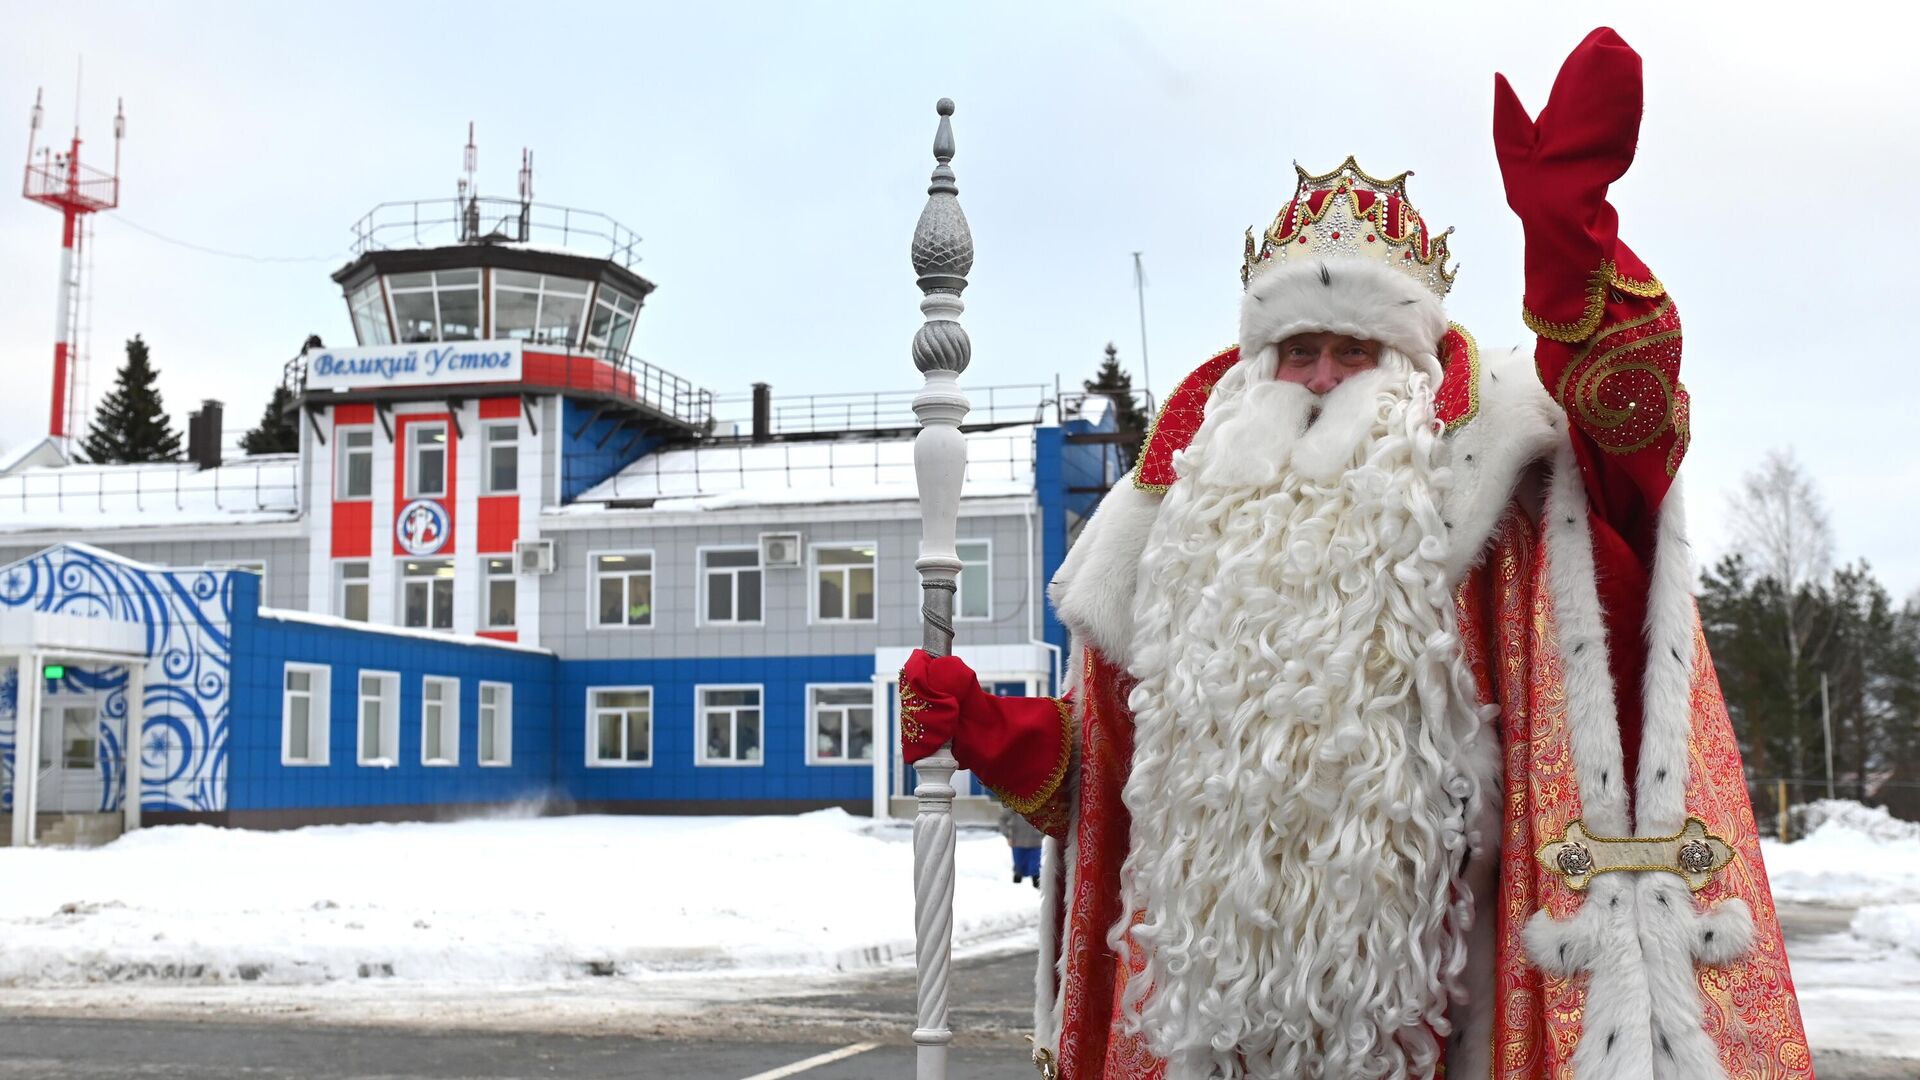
<point x="911" y="706"/>
<point x="1581" y="383"/>
<point x="1473" y="379"/>
<point x="1579" y="856"/>
<point x="1682" y="429"/>
<point x="1029" y="804"/>
<point x="1608" y="276"/>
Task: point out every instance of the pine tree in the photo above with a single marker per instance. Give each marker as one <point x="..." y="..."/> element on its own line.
<point x="277" y="433"/>
<point x="132" y="425"/>
<point x="1129" y="418"/>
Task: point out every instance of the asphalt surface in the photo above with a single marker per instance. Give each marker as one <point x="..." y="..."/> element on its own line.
<point x="862" y="1019"/>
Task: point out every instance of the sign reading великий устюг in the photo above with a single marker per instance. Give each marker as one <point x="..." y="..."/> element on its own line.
<point x="426" y="363"/>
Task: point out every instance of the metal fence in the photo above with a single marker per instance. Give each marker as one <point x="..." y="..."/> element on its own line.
<point x="423" y="223"/>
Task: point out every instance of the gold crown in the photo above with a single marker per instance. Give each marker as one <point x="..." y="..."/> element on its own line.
<point x="1348" y="214"/>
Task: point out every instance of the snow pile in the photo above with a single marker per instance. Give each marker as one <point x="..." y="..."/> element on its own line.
<point x="248" y="489"/>
<point x="1856" y="856"/>
<point x="1872" y="821"/>
<point x="1893" y="927"/>
<point x="497" y="901"/>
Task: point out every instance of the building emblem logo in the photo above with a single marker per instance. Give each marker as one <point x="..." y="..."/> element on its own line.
<point x="421" y="527"/>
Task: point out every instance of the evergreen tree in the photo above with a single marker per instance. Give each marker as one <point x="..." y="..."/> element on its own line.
<point x="132" y="425"/>
<point x="1129" y="415"/>
<point x="277" y="433"/>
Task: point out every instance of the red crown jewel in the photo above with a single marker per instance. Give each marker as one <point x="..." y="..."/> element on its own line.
<point x="1349" y="214"/>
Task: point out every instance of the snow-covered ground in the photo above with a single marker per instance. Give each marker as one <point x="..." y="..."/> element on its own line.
<point x="501" y="902"/>
<point x="585" y="922"/>
<point x="1859" y="989"/>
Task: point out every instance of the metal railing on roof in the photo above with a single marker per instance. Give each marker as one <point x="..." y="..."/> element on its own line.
<point x="426" y="223"/>
<point x="881" y="410"/>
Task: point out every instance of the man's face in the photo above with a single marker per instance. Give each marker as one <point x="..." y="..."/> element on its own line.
<point x="1322" y="361"/>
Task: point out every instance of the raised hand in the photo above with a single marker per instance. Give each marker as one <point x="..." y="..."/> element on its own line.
<point x="1557" y="168"/>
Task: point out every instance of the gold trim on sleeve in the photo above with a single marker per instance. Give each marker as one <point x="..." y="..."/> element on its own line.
<point x="1606" y="277"/>
<point x="1028" y="804"/>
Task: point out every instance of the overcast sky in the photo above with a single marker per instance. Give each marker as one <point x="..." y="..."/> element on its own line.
<point x="774" y="158"/>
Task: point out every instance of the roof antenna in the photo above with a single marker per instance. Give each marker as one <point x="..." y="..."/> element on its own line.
<point x="469" y="200"/>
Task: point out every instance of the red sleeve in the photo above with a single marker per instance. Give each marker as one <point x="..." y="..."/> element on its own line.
<point x="1020" y="747"/>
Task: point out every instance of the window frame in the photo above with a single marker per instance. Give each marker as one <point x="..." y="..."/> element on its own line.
<point x="389" y="699"/>
<point x="488" y="578"/>
<point x="414" y="432"/>
<point x="539" y="294"/>
<point x="340" y="468"/>
<point x="701" y="617"/>
<point x="487" y="427"/>
<point x="340" y="582"/>
<point x="362" y="301"/>
<point x="401" y="594"/>
<point x="987" y="568"/>
<point x="605" y="346"/>
<point x="319" y="695"/>
<point x="813" y="726"/>
<point x="700" y="758"/>
<point x="814" y="571"/>
<point x="449" y="721"/>
<point x="502" y="722"/>
<point x="593" y="586"/>
<point x="594" y="761"/>
<point x="433" y="288"/>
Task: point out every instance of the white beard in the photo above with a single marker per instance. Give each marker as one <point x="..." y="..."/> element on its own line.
<point x="1302" y="727"/>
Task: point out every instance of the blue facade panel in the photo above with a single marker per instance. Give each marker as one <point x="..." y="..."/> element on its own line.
<point x="259" y="780"/>
<point x="593" y="449"/>
<point x="783" y="772"/>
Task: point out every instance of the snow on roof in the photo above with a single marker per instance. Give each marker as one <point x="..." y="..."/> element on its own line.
<point x="999" y="463"/>
<point x="315" y="619"/>
<point x="16" y="457"/>
<point x="248" y="489"/>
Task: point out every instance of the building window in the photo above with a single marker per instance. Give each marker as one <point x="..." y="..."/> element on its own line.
<point x="730" y="577"/>
<point x="303" y="715"/>
<point x="974" y="600"/>
<point x="439" y="721"/>
<point x="426" y="461"/>
<point x="426" y="594"/>
<point x="728" y="731"/>
<point x="538" y="308"/>
<point x="843" y="583"/>
<point x="350" y="590"/>
<point x="496" y="724"/>
<point x="502" y="597"/>
<point x="379" y="718"/>
<point x="620" y="726"/>
<point x="612" y="323"/>
<point x="500" y="457"/>
<point x="369" y="310"/>
<point x="436" y="305"/>
<point x="623" y="589"/>
<point x="840" y="724"/>
<point x="353" y="472"/>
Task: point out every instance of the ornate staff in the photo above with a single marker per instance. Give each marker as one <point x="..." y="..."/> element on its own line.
<point x="942" y="256"/>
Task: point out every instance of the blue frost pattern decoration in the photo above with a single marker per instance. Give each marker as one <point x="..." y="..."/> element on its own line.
<point x="187" y="618"/>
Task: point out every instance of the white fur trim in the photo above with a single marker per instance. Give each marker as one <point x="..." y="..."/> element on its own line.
<point x="1094" y="588"/>
<point x="1360" y="297"/>
<point x="1637" y="934"/>
<point x="1660" y="788"/>
<point x="1592" y="721"/>
<point x="1046" y="971"/>
<point x="1517" y="425"/>
<point x="1470" y="1048"/>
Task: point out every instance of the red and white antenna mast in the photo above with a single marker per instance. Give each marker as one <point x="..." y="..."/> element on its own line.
<point x="76" y="190"/>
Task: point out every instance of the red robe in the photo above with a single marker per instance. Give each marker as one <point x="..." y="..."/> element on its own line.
<point x="1510" y="620"/>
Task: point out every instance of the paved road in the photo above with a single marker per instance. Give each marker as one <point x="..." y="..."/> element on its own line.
<point x="758" y="1039"/>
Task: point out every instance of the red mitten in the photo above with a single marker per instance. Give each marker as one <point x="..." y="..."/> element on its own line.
<point x="1557" y="168"/>
<point x="1018" y="746"/>
<point x="939" y="698"/>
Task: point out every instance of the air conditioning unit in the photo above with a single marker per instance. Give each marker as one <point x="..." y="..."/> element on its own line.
<point x="533" y="557"/>
<point x="779" y="549"/>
